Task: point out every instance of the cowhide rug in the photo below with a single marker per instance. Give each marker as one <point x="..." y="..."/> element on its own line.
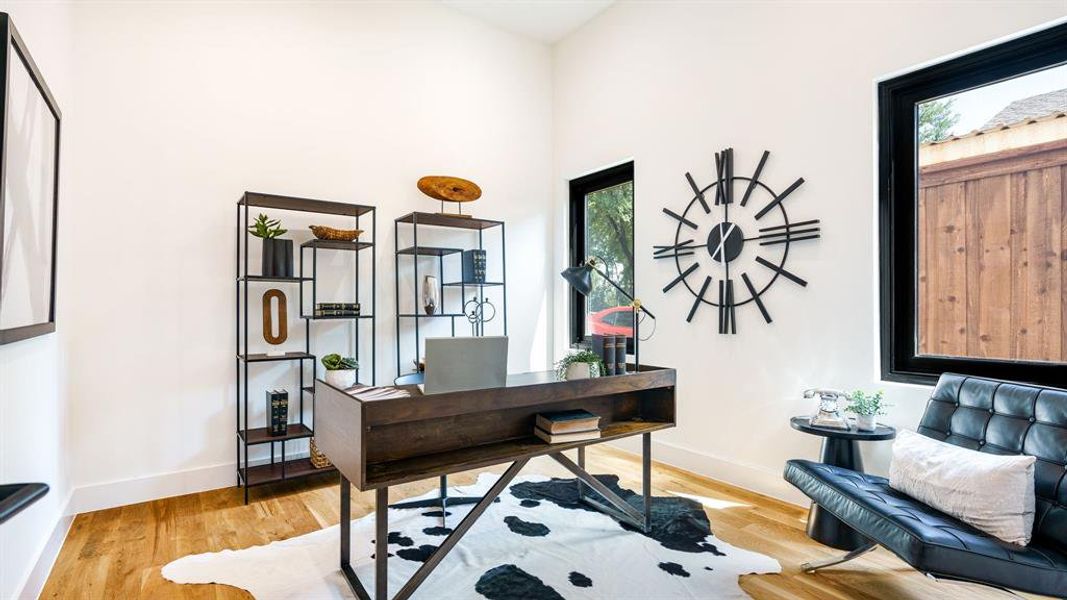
<point x="537" y="542"/>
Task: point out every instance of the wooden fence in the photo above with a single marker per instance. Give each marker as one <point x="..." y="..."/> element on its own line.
<point x="992" y="242"/>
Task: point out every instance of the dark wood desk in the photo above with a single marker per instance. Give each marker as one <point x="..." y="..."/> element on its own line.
<point x="380" y="443"/>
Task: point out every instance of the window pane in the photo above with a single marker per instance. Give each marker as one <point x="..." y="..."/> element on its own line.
<point x="992" y="221"/>
<point x="609" y="236"/>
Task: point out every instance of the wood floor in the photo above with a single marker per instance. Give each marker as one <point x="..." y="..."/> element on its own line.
<point x="118" y="553"/>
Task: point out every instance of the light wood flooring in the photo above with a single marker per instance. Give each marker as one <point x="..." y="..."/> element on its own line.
<point x="118" y="553"/>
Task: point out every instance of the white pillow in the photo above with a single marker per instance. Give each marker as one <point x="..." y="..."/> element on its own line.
<point x="991" y="492"/>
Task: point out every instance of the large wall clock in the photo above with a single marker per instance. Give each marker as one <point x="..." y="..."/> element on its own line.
<point x="739" y="247"/>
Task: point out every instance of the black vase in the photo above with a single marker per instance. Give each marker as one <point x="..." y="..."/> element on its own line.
<point x="277" y="258"/>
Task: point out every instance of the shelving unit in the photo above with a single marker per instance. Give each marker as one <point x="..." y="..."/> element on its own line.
<point x="417" y="220"/>
<point x="281" y="467"/>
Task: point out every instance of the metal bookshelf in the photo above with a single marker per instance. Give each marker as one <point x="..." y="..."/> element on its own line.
<point x="283" y="468"/>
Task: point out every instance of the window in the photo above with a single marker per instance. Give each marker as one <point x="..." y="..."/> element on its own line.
<point x="602" y="226"/>
<point x="973" y="215"/>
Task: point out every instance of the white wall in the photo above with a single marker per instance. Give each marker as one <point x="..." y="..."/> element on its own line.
<point x="183" y="106"/>
<point x="671" y="83"/>
<point x="33" y="408"/>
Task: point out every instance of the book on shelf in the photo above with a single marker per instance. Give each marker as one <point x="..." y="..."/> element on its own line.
<point x="574" y="436"/>
<point x="337" y="309"/>
<point x="278" y="412"/>
<point x="567" y="421"/>
<point x="474" y="266"/>
<point x="604" y="347"/>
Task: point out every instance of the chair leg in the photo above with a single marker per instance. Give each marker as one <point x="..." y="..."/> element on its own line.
<point x="808" y="567"/>
<point x="942" y="579"/>
<point x="444" y="500"/>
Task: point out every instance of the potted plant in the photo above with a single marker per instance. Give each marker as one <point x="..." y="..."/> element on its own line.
<point x="340" y="371"/>
<point x="580" y="365"/>
<point x="277" y="254"/>
<point x="866" y="407"/>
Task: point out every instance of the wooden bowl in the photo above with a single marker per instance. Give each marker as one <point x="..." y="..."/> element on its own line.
<point x="329" y="233"/>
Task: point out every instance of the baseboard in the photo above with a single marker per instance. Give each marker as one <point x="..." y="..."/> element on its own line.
<point x="34" y="583"/>
<point x="750" y="477"/>
<point x="143" y="489"/>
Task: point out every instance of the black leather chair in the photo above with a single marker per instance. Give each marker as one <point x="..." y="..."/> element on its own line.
<point x="984" y="415"/>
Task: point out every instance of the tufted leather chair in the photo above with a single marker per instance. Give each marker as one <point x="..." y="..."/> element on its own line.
<point x="984" y="415"/>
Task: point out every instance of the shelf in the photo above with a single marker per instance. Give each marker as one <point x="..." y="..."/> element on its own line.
<point x="429" y="251"/>
<point x="252" y="278"/>
<point x="303" y="204"/>
<point x="261" y="435"/>
<point x="423" y="467"/>
<point x="439" y="220"/>
<point x="434" y="316"/>
<point x="337" y="245"/>
<point x="472" y="284"/>
<point x="286" y="356"/>
<point x="269" y="473"/>
<point x="310" y="318"/>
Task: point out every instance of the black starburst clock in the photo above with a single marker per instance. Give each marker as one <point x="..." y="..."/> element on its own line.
<point x="720" y="241"/>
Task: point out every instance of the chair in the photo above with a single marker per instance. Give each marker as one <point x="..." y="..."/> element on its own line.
<point x="986" y="415"/>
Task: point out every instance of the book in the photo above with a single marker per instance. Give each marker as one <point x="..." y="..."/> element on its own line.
<point x="604" y="347"/>
<point x="620" y="354"/>
<point x="474" y="266"/>
<point x="277" y="412"/>
<point x="567" y="421"/>
<point x="575" y="436"/>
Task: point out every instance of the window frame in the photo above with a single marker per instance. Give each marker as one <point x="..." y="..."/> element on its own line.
<point x="897" y="203"/>
<point x="579" y="188"/>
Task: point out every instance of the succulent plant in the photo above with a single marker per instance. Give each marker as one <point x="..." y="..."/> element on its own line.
<point x="336" y="362"/>
<point x="266" y="228"/>
<point x="583" y="356"/>
<point x="867" y="404"/>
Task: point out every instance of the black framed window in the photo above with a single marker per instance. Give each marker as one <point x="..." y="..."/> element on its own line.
<point x="973" y="215"/>
<point x="602" y="226"/>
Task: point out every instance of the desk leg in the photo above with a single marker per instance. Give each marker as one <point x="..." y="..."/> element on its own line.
<point x="619" y="509"/>
<point x="346" y="542"/>
<point x="581" y="463"/>
<point x="444" y="500"/>
<point x="381" y="544"/>
<point x="646" y="477"/>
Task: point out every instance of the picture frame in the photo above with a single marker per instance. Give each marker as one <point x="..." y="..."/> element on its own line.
<point x="30" y="124"/>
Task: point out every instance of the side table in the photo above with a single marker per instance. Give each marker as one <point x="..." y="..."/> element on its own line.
<point x="839" y="448"/>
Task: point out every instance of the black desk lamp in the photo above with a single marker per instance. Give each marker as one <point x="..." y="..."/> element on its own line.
<point x="581" y="279"/>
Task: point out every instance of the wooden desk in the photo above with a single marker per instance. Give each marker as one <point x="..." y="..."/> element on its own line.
<point x="380" y="443"/>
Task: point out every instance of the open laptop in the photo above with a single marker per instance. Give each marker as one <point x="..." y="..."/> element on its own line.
<point x="455" y="364"/>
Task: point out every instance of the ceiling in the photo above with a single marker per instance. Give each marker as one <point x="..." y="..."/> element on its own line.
<point x="545" y="21"/>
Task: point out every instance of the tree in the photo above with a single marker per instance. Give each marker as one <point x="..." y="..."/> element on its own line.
<point x="936" y="120"/>
<point x="610" y="236"/>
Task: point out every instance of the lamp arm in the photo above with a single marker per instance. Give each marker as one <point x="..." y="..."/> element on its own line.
<point x="641" y="307"/>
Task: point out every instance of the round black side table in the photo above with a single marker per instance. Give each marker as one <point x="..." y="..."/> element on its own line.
<point x="839" y="448"/>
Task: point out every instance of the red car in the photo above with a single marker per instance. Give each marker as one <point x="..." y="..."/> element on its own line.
<point x="617" y="320"/>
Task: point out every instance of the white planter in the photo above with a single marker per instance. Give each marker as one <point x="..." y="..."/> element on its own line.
<point x="582" y="371"/>
<point x="866" y="422"/>
<point x="341" y="378"/>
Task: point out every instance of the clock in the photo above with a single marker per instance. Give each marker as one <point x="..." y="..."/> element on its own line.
<point x="729" y="252"/>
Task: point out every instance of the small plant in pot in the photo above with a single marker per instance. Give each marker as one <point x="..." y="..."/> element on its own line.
<point x="580" y="365"/>
<point x="277" y="254"/>
<point x="866" y="407"/>
<point x="340" y="371"/>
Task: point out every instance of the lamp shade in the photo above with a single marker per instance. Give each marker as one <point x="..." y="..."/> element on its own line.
<point x="580" y="278"/>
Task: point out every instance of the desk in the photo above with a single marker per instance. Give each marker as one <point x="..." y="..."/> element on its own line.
<point x="380" y="443"/>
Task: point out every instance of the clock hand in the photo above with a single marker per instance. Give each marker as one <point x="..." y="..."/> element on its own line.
<point x="722" y="240"/>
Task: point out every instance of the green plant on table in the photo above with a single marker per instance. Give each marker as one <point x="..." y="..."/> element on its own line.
<point x="861" y="403"/>
<point x="266" y="228"/>
<point x="583" y="356"/>
<point x="336" y="362"/>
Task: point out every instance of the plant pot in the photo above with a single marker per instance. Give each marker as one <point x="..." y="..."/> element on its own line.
<point x="581" y="370"/>
<point x="341" y="378"/>
<point x="277" y="258"/>
<point x="866" y="422"/>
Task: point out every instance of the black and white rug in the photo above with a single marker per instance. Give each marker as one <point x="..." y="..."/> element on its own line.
<point x="537" y="542"/>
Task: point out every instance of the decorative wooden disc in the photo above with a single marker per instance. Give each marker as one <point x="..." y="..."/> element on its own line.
<point x="451" y="189"/>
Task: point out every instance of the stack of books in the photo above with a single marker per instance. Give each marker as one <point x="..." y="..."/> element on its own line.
<point x="278" y="412"/>
<point x="612" y="349"/>
<point x="337" y="309"/>
<point x="567" y="426"/>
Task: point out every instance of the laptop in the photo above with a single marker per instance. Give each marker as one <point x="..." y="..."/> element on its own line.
<point x="455" y="364"/>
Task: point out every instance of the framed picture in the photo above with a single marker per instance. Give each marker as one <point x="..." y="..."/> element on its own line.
<point x="29" y="193"/>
